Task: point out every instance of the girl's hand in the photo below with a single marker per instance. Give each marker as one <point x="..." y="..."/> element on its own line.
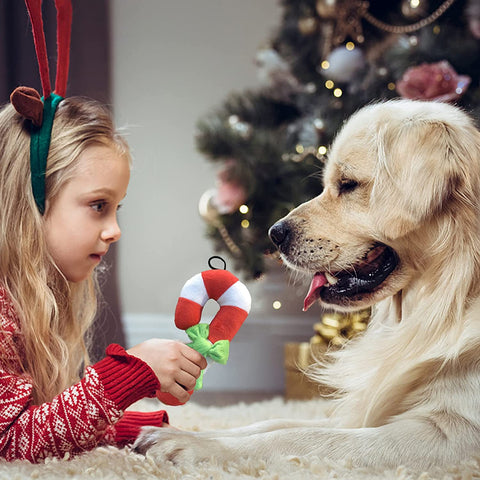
<point x="176" y="365"/>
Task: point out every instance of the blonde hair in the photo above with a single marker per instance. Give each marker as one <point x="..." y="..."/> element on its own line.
<point x="54" y="314"/>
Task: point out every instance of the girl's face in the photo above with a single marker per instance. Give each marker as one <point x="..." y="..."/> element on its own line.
<point x="81" y="221"/>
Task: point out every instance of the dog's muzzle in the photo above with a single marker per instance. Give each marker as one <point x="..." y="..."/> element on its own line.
<point x="280" y="234"/>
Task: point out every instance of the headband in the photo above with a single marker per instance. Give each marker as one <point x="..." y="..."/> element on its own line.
<point x="41" y="110"/>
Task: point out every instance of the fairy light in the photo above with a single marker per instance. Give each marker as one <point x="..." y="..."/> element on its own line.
<point x="436" y="30"/>
<point x="337" y="92"/>
<point x="243" y="209"/>
<point x="299" y="148"/>
<point x="414" y="3"/>
<point x="322" y="150"/>
<point x="391" y="86"/>
<point x="277" y="304"/>
<point x="350" y="46"/>
<point x="245" y="223"/>
<point x="325" y="65"/>
<point x="329" y="84"/>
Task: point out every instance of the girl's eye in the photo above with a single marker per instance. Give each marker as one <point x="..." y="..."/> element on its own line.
<point x="99" y="206"/>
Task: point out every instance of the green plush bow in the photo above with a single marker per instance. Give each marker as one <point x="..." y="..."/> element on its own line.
<point x="217" y="351"/>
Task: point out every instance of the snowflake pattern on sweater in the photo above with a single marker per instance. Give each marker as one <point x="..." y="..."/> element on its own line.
<point x="80" y="418"/>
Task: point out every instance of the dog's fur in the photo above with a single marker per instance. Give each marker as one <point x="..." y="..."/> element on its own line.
<point x="406" y="175"/>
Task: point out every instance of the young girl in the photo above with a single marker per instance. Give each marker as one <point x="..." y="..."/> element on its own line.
<point x="48" y="295"/>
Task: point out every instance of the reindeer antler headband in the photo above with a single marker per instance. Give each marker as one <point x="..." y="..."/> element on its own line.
<point x="41" y="110"/>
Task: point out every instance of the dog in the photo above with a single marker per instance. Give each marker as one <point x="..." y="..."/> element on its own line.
<point x="396" y="228"/>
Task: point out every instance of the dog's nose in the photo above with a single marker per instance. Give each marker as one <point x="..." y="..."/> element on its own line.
<point x="279" y="233"/>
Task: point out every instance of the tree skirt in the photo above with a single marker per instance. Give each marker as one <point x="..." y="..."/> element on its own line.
<point x="111" y="463"/>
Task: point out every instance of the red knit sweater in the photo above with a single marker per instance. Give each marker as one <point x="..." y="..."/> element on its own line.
<point x="88" y="414"/>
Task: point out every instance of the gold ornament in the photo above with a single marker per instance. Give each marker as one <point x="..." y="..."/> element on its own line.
<point x="307" y="26"/>
<point x="414" y="9"/>
<point x="349" y="21"/>
<point x="326" y="8"/>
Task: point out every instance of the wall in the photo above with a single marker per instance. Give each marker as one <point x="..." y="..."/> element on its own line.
<point x="173" y="61"/>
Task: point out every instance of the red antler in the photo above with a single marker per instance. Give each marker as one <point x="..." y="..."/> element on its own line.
<point x="64" y="27"/>
<point x="35" y="12"/>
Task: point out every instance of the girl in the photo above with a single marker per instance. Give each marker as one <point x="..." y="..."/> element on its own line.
<point x="48" y="295"/>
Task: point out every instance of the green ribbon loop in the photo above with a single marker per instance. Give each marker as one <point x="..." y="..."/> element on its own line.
<point x="218" y="351"/>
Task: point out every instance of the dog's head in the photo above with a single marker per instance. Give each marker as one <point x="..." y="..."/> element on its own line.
<point x="397" y="173"/>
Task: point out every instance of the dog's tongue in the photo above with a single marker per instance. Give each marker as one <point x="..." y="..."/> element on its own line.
<point x="318" y="282"/>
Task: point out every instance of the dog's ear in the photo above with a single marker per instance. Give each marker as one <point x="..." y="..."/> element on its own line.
<point x="421" y="165"/>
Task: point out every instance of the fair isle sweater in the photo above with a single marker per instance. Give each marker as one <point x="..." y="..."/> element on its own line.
<point x="88" y="414"/>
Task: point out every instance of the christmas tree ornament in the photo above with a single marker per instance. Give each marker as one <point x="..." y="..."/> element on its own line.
<point x="41" y="110"/>
<point x="344" y="64"/>
<point x="349" y="21"/>
<point x="435" y="81"/>
<point x="326" y="9"/>
<point x="307" y="25"/>
<point x="274" y="72"/>
<point x="211" y="340"/>
<point x="242" y="128"/>
<point x="210" y="214"/>
<point x="230" y="193"/>
<point x="472" y="13"/>
<point x="414" y="9"/>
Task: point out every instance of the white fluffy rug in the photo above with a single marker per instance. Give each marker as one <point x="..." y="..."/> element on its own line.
<point x="111" y="463"/>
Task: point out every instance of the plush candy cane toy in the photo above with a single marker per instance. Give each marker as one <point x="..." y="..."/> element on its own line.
<point x="212" y="341"/>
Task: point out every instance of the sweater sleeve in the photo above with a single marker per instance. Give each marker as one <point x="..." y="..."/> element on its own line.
<point x="126" y="430"/>
<point x="77" y="419"/>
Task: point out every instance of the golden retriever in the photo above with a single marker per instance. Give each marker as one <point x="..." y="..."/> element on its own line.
<point x="397" y="227"/>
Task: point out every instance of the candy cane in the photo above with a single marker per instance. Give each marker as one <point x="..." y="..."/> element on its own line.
<point x="212" y="340"/>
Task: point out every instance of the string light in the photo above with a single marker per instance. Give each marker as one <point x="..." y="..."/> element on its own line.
<point x="391" y="86"/>
<point x="436" y="30"/>
<point x="337" y="92"/>
<point x="277" y="305"/>
<point x="350" y="46"/>
<point x="245" y="223"/>
<point x="329" y="84"/>
<point x="299" y="148"/>
<point x="243" y="209"/>
<point x="322" y="150"/>
<point x="325" y="64"/>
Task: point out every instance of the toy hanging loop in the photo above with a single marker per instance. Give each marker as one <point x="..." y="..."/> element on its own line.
<point x="216" y="257"/>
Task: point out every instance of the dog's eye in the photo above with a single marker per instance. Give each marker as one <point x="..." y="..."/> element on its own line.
<point x="345" y="186"/>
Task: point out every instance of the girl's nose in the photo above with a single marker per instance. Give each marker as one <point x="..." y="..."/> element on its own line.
<point x="111" y="233"/>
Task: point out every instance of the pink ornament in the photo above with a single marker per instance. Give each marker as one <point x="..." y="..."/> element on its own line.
<point x="230" y="193"/>
<point x="433" y="81"/>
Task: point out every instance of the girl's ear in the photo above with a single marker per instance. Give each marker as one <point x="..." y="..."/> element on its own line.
<point x="420" y="165"/>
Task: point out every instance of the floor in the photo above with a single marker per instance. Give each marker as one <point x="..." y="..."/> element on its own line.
<point x="222" y="399"/>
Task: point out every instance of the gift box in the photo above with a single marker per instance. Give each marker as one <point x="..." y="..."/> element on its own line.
<point x="331" y="332"/>
<point x="298" y="357"/>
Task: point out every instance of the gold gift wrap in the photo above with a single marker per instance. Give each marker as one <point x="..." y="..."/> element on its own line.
<point x="298" y="357"/>
<point x="333" y="330"/>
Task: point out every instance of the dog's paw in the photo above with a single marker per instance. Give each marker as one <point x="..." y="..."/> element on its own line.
<point x="179" y="447"/>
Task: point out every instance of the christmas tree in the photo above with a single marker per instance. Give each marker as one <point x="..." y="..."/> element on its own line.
<point x="327" y="59"/>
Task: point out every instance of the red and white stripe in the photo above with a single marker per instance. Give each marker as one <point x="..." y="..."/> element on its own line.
<point x="223" y="287"/>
